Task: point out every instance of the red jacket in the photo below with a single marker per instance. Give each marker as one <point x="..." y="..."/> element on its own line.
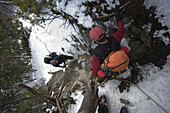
<point x="118" y="35"/>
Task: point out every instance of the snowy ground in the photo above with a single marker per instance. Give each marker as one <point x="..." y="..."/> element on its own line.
<point x="156" y="81"/>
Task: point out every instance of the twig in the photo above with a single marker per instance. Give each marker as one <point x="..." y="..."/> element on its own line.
<point x="60" y="89"/>
<point x="124" y="5"/>
<point x="73" y="86"/>
<point x="38" y="108"/>
<point x="65" y="106"/>
<point x="121" y="7"/>
<point x="122" y="10"/>
<point x="105" y="80"/>
<point x="58" y="105"/>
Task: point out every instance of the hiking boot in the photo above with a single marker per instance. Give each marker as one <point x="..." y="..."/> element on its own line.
<point x="103" y="105"/>
<point x="100" y="80"/>
<point x="124" y="110"/>
<point x="103" y="83"/>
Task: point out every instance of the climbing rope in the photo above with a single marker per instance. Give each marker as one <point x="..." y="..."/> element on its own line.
<point x="142" y="92"/>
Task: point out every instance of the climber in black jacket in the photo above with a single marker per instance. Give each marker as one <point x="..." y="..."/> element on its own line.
<point x="56" y="60"/>
<point x="103" y="106"/>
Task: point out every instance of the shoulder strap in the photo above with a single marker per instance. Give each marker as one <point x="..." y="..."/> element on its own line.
<point x="114" y="44"/>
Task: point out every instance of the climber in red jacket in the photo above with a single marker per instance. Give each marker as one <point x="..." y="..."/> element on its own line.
<point x="106" y="44"/>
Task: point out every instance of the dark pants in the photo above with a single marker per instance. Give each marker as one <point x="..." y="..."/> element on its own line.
<point x="67" y="57"/>
<point x="102" y="109"/>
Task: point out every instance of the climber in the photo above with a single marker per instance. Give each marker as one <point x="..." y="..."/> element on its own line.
<point x="106" y="44"/>
<point x="103" y="106"/>
<point x="57" y="60"/>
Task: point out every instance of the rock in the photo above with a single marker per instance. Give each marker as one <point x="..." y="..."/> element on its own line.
<point x="138" y="49"/>
<point x="146" y="39"/>
<point x="135" y="29"/>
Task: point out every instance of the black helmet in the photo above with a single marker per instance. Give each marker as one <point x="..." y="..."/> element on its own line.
<point x="47" y="59"/>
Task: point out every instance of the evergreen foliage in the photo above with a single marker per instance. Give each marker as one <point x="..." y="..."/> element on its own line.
<point x="35" y="11"/>
<point x="15" y="64"/>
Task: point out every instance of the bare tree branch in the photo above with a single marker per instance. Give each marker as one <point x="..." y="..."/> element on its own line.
<point x="16" y="101"/>
<point x="44" y="98"/>
<point x="112" y="14"/>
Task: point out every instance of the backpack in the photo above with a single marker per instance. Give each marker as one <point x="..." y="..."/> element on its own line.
<point x="115" y="63"/>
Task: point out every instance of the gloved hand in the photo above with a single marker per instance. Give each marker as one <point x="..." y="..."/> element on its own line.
<point x="92" y="81"/>
<point x="53" y="54"/>
<point x="90" y="51"/>
<point x="117" y="14"/>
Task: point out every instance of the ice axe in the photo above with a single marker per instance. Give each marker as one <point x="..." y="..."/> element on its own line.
<point x="121" y="7"/>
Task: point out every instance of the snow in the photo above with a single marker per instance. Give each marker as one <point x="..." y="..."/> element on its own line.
<point x="156" y="81"/>
<point x="78" y="97"/>
<point x="43" y="41"/>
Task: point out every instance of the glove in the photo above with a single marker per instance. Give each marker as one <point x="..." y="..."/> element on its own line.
<point x="92" y="81"/>
<point x="90" y="51"/>
<point x="117" y="14"/>
<point x="53" y="54"/>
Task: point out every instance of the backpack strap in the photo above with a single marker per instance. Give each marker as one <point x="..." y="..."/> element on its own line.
<point x="109" y="73"/>
<point x="107" y="70"/>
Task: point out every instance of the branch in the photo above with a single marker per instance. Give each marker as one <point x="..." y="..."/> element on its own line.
<point x="44" y="98"/>
<point x="112" y="14"/>
<point x="18" y="100"/>
<point x="58" y="105"/>
<point x="38" y="108"/>
<point x="31" y="90"/>
<point x="59" y="94"/>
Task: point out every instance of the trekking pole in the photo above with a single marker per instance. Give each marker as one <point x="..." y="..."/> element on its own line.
<point x="46" y="47"/>
<point x="44" y="44"/>
<point x="142" y="92"/>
